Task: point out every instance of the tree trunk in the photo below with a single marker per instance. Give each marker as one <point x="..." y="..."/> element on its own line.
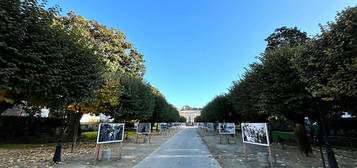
<point x="75" y="126"/>
<point x="152" y="127"/>
<point x="302" y="138"/>
<point x="58" y="152"/>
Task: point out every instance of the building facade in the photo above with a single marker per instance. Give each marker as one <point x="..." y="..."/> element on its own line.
<point x="190" y="113"/>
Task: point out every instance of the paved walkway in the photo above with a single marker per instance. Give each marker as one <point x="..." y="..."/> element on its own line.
<point x="184" y="150"/>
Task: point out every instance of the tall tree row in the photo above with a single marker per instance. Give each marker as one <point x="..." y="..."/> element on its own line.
<point x="297" y="77"/>
<point x="73" y="66"/>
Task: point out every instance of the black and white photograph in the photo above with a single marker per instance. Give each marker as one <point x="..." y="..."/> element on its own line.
<point x="162" y="126"/>
<point x="227" y="128"/>
<point x="201" y="124"/>
<point x="110" y="132"/>
<point x="144" y="128"/>
<point x="205" y="125"/>
<point x="210" y="126"/>
<point x="256" y="133"/>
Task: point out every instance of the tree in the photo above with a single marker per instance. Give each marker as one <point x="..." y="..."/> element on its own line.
<point x="115" y="53"/>
<point x="285" y="36"/>
<point x="41" y="62"/>
<point x="136" y="101"/>
<point x="328" y="63"/>
<point x="219" y="109"/>
<point x="110" y="44"/>
<point x="37" y="58"/>
<point x="246" y="95"/>
<point x="285" y="93"/>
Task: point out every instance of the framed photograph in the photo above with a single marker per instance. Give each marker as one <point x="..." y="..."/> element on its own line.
<point x="169" y="125"/>
<point x="110" y="132"/>
<point x="162" y="126"/>
<point x="205" y="125"/>
<point x="144" y="128"/>
<point x="226" y="128"/>
<point x="256" y="133"/>
<point x="210" y="126"/>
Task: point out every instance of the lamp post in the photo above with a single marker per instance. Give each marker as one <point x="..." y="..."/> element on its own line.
<point x="318" y="140"/>
<point x="330" y="154"/>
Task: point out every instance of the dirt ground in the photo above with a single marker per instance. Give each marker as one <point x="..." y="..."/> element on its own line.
<point x="232" y="155"/>
<point x="132" y="153"/>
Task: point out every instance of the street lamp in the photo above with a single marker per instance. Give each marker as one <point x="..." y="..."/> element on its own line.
<point x="330" y="154"/>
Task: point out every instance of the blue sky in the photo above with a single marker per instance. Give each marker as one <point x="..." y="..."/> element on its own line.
<point x="194" y="49"/>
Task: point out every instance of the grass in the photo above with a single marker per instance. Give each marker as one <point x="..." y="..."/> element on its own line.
<point x="131" y="132"/>
<point x="287" y="136"/>
<point x="89" y="135"/>
<point x="93" y="134"/>
<point x="85" y="135"/>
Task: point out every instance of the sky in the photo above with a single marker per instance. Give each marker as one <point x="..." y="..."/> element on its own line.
<point x="194" y="49"/>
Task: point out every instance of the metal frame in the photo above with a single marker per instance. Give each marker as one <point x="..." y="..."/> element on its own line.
<point x="137" y="129"/>
<point x="98" y="134"/>
<point x="219" y="129"/>
<point x="266" y="132"/>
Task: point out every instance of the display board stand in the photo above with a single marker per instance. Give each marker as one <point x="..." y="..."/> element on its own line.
<point x="146" y="138"/>
<point x="116" y="148"/>
<point x="245" y="151"/>
<point x="164" y="132"/>
<point x="220" y="138"/>
<point x="227" y="138"/>
<point x="97" y="151"/>
<point x="168" y="131"/>
<point x="270" y="155"/>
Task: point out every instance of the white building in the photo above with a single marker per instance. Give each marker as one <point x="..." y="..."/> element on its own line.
<point x="190" y="114"/>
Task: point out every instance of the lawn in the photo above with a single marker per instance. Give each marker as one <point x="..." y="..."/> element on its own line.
<point x="93" y="134"/>
<point x="86" y="135"/>
<point x="287" y="136"/>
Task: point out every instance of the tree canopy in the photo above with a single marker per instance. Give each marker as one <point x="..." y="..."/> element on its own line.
<point x="72" y="63"/>
<point x="38" y="58"/>
<point x="297" y="75"/>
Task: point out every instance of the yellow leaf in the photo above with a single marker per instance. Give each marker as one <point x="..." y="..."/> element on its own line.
<point x="327" y="99"/>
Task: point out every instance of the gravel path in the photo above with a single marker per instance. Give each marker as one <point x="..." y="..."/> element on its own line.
<point x="184" y="150"/>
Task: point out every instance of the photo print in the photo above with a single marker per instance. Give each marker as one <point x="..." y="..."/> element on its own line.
<point x="256" y="133"/>
<point x="162" y="126"/>
<point x="110" y="132"/>
<point x="169" y="125"/>
<point x="144" y="128"/>
<point x="201" y="124"/>
<point x="210" y="126"/>
<point x="205" y="125"/>
<point x="227" y="128"/>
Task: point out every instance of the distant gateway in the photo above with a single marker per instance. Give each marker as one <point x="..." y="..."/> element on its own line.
<point x="190" y="113"/>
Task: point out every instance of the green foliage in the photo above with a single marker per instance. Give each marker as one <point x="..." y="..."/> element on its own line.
<point x="296" y="75"/>
<point x="284" y="92"/>
<point x="110" y="44"/>
<point x="285" y="36"/>
<point x="89" y="135"/>
<point x="69" y="62"/>
<point x="246" y="95"/>
<point x="286" y="136"/>
<point x="136" y="100"/>
<point x="328" y="64"/>
<point x="219" y="109"/>
<point x="37" y="57"/>
<point x="115" y="53"/>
